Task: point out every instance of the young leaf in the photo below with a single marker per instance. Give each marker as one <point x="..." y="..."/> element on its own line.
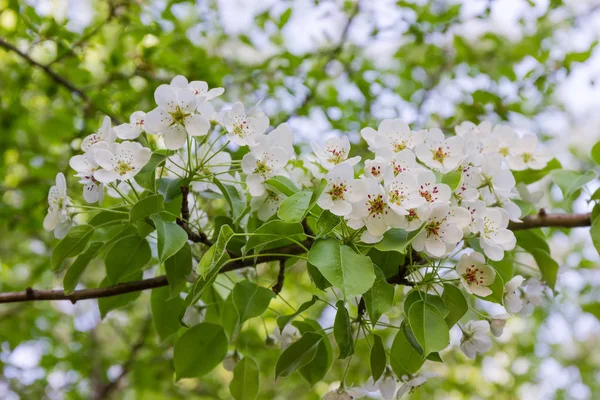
<point x="71" y="245"/>
<point x="455" y="302"/>
<point x="199" y="350"/>
<point x="404" y="359"/>
<point x="452" y="179"/>
<point x="76" y="269"/>
<point x="378" y="358"/>
<point x="178" y="267"/>
<point x="246" y="380"/>
<point x="352" y="273"/>
<point x="342" y="331"/>
<point x="146" y="178"/>
<point x="326" y="223"/>
<point x="165" y="311"/>
<point x="146" y="207"/>
<point x="547" y="265"/>
<point x="170" y="188"/>
<point x="298" y="354"/>
<point x="283" y="320"/>
<point x="397" y="240"/>
<point x="108" y="217"/>
<point x="282" y="185"/>
<point x="127" y="255"/>
<point x="429" y="326"/>
<point x="274" y="233"/>
<point x="250" y="300"/>
<point x="595" y="153"/>
<point x="571" y="181"/>
<point x="380" y="297"/>
<point x="171" y="237"/>
<point x="315" y="371"/>
<point x="295" y="207"/>
<point x="211" y="258"/>
<point x="531" y="175"/>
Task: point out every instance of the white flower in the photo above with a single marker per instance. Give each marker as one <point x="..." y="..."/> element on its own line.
<point x="104" y="134"/>
<point x="475" y="339"/>
<point x="467" y="128"/>
<point x="475" y="274"/>
<point x="210" y="164"/>
<point x="494" y="237"/>
<point x="286" y="337"/>
<point x="243" y="130"/>
<point x="202" y="93"/>
<point x="340" y="192"/>
<point x="431" y="191"/>
<point x="262" y="163"/>
<point x="475" y="137"/>
<point x="266" y="204"/>
<point x="337" y="394"/>
<point x="123" y="163"/>
<point x="376" y="168"/>
<point x="400" y="162"/>
<point x="85" y="165"/>
<point x="439" y="235"/>
<point x="476" y="209"/>
<point x="282" y="136"/>
<point x="403" y="193"/>
<point x="532" y="295"/>
<point x="497" y="324"/>
<point x="372" y="209"/>
<point x="525" y="154"/>
<point x="440" y="153"/>
<point x="334" y="152"/>
<point x="134" y="128"/>
<point x="393" y="134"/>
<point x="386" y="385"/>
<point x="230" y="361"/>
<point x="58" y="219"/>
<point x="414" y="382"/>
<point x="501" y="180"/>
<point x="512" y="300"/>
<point x="175" y="116"/>
<point x="501" y="141"/>
<point x="415" y="218"/>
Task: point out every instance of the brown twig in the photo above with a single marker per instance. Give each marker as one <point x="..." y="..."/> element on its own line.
<point x="278" y="286"/>
<point x="556" y="220"/>
<point x="196" y="237"/>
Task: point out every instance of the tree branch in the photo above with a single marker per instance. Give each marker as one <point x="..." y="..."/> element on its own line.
<point x="199" y="237"/>
<point x="278" y="286"/>
<point x="555" y="220"/>
<point x="56" y="78"/>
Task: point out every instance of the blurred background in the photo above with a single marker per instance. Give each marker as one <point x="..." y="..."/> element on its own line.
<point x="326" y="67"/>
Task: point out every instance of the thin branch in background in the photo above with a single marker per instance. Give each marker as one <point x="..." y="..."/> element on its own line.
<point x="555" y="220"/>
<point x="280" y="278"/>
<point x="58" y="79"/>
<point x="199" y="237"/>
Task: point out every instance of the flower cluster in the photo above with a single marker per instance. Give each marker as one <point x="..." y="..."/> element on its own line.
<point x="446" y="188"/>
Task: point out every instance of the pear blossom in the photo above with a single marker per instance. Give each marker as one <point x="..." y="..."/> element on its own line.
<point x="468" y="128"/>
<point x="287" y="336"/>
<point x="393" y="134"/>
<point x="123" y="163"/>
<point x="341" y="191"/>
<point x="386" y="385"/>
<point x="202" y="93"/>
<point x="494" y="237"/>
<point x="501" y="180"/>
<point x="243" y="129"/>
<point x="262" y="163"/>
<point x="532" y="295"/>
<point x="525" y="154"/>
<point x="440" y="153"/>
<point x="400" y="162"/>
<point x="338" y="394"/>
<point x="134" y="128"/>
<point x="497" y="324"/>
<point x="230" y="361"/>
<point x="266" y="204"/>
<point x="175" y="116"/>
<point x="501" y="141"/>
<point x="512" y="299"/>
<point x="475" y="339"/>
<point x="476" y="209"/>
<point x="403" y="193"/>
<point x="282" y="136"/>
<point x="415" y="218"/>
<point x="413" y="383"/>
<point x="475" y="275"/>
<point x="431" y="191"/>
<point x="334" y="152"/>
<point x="376" y="169"/>
<point x="85" y="165"/>
<point x="105" y="134"/>
<point x="439" y="235"/>
<point x="57" y="219"/>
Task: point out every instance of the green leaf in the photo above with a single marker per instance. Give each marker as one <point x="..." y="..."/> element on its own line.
<point x="326" y="223"/>
<point x="146" y="178"/>
<point x="298" y="354"/>
<point x="418" y="295"/>
<point x="211" y="258"/>
<point x="532" y="175"/>
<point x="295" y="207"/>
<point x="378" y="359"/>
<point x="165" y="311"/>
<point x="126" y="256"/>
<point x="595" y="153"/>
<point x="317" y="277"/>
<point x="272" y="233"/>
<point x="199" y="350"/>
<point x="76" y="269"/>
<point x="547" y="265"/>
<point x="342" y="331"/>
<point x="380" y="298"/>
<point x="283" y="320"/>
<point x="171" y="237"/>
<point x="107" y="217"/>
<point x="388" y="261"/>
<point x="404" y="359"/>
<point x="107" y="304"/>
<point x="245" y="384"/>
<point x="429" y="327"/>
<point x="283" y="185"/>
<point x="397" y="240"/>
<point x="592" y="308"/>
<point x="531" y="239"/>
<point x="452" y="179"/>
<point x="203" y="283"/>
<point x="236" y="205"/>
<point x="315" y="371"/>
<point x="571" y="181"/>
<point x="251" y="300"/>
<point x="595" y="233"/>
<point x="350" y="272"/>
<point x="71" y="245"/>
<point x="170" y="188"/>
<point x="455" y="302"/>
<point x="146" y="207"/>
<point x="284" y="18"/>
<point x="178" y="267"/>
<point x="497" y="288"/>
